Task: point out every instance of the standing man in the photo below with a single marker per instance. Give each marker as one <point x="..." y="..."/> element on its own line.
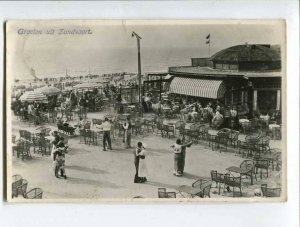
<point x="106" y="126"/>
<point x="127" y="133"/>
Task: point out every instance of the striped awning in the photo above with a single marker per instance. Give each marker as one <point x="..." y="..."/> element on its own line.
<point x="212" y="89"/>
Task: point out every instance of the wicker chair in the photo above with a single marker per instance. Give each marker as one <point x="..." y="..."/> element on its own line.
<point x="270" y="192"/>
<point x="222" y="139"/>
<point x="149" y="124"/>
<point x="250" y="145"/>
<point x="263" y="143"/>
<point x="138" y="127"/>
<point x="273" y="156"/>
<point x="23" y="149"/>
<point x="194" y="131"/>
<point x="179" y="126"/>
<point x="233" y="138"/>
<point x="45" y="146"/>
<point x="168" y="130"/>
<point x="203" y="131"/>
<point x="35" y="142"/>
<point x="35" y="193"/>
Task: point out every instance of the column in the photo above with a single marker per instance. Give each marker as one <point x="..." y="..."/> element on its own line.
<point x="278" y="100"/>
<point x="246" y="97"/>
<point x="242" y="96"/>
<point x="232" y="96"/>
<point x="254" y="100"/>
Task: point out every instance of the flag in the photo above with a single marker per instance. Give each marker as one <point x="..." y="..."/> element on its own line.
<point x="207" y="42"/>
<point x="208" y="36"/>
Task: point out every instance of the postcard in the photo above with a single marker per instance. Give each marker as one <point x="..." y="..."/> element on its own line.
<point x="145" y="110"/>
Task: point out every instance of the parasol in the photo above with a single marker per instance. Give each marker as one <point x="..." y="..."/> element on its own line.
<point x="33" y="96"/>
<point x="48" y="90"/>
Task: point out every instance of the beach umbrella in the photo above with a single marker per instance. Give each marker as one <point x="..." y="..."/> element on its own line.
<point x="87" y="85"/>
<point x="48" y="90"/>
<point x="31" y="96"/>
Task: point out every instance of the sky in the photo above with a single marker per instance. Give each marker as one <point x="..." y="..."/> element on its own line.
<point x="111" y="47"/>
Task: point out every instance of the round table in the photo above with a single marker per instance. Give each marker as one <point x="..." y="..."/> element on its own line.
<point x="245" y="123"/>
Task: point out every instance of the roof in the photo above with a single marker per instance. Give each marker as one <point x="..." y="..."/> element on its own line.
<point x="210" y="72"/>
<point x="247" y="52"/>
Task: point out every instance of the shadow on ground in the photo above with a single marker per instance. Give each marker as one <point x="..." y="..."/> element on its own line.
<point x="86" y="169"/>
<point x="104" y="184"/>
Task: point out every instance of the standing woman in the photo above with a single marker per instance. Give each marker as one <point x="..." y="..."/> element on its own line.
<point x="127" y="133"/>
<point x="143" y="170"/>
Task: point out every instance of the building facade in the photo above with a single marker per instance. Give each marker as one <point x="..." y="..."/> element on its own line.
<point x="247" y="77"/>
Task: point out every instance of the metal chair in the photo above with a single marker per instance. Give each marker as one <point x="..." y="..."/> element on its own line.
<point x="262" y="164"/>
<point x="270" y="192"/>
<point x="218" y="178"/>
<point x="248" y="167"/>
<point x="204" y="186"/>
<point x="21" y="189"/>
<point x="16" y="182"/>
<point x="162" y="192"/>
<point x="234" y="182"/>
<point x="171" y="195"/>
<point x="23" y="149"/>
<point x="35" y="193"/>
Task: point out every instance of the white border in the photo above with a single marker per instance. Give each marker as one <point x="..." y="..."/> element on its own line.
<point x="223" y="214"/>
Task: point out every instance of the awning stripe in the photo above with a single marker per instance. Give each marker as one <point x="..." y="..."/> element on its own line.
<point x="213" y="89"/>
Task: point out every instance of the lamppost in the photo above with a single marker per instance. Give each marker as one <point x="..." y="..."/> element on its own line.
<point x="139" y="70"/>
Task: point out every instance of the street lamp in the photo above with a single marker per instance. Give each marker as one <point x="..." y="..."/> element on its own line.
<point x="139" y="70"/>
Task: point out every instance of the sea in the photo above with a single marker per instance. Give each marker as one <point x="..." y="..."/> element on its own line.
<point x="111" y="61"/>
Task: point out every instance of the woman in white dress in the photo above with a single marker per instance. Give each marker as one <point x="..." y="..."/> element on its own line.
<point x="143" y="170"/>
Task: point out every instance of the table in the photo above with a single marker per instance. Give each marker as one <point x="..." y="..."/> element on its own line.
<point x="131" y="106"/>
<point x="14" y="147"/>
<point x="273" y="126"/>
<point x="245" y="123"/>
<point x="241" y="121"/>
<point x="188" y="126"/>
<point x="240" y="171"/>
<point x="264" y="117"/>
<point x="188" y="190"/>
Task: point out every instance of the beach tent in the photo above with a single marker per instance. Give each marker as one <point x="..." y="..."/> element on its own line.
<point x="48" y="90"/>
<point x="33" y="96"/>
<point x="87" y="86"/>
